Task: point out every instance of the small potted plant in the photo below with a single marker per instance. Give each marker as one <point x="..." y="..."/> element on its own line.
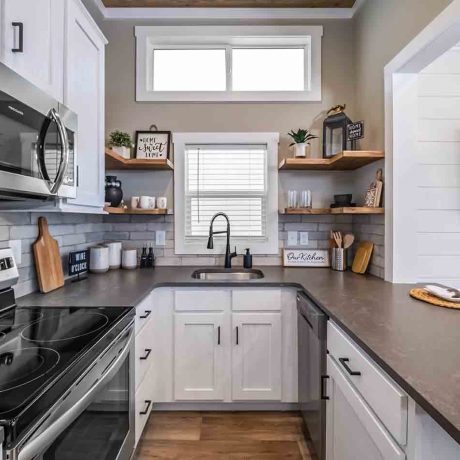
<point x="301" y="140"/>
<point x="121" y="143"/>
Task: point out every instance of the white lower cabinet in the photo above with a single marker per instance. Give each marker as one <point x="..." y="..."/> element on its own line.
<point x="143" y="404"/>
<point x="256" y="356"/>
<point x="200" y="340"/>
<point x="353" y="431"/>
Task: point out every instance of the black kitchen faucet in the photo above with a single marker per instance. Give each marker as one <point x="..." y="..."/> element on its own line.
<point x="228" y="255"/>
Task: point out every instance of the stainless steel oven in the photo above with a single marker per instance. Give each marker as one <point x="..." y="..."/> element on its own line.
<point x="37" y="142"/>
<point x="95" y="417"/>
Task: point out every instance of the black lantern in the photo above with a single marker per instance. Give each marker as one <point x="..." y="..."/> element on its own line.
<point x="335" y="139"/>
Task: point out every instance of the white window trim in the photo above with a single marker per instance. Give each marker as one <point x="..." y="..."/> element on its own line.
<point x="268" y="247"/>
<point x="148" y="38"/>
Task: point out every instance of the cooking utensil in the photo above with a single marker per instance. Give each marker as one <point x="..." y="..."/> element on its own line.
<point x="338" y="238"/>
<point x="348" y="240"/>
<point x="48" y="262"/>
<point x="362" y="257"/>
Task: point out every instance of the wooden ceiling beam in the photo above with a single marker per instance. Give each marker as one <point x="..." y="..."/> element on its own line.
<point x="229" y="3"/>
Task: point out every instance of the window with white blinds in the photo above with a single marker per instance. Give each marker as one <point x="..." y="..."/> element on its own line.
<point x="230" y="179"/>
<point x="233" y="173"/>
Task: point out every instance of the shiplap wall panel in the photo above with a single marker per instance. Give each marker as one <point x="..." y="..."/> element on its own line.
<point x="429" y="244"/>
<point x="438" y="172"/>
<point x="429" y="198"/>
<point x="445" y="153"/>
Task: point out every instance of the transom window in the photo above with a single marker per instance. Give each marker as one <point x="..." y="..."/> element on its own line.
<point x="257" y="63"/>
<point x="234" y="173"/>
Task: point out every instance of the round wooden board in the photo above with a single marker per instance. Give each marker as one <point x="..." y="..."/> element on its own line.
<point x="421" y="294"/>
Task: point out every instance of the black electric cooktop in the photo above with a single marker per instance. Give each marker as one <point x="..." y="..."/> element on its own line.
<point x="43" y="349"/>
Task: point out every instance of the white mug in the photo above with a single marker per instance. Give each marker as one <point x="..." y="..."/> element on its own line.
<point x="129" y="259"/>
<point x="162" y="202"/>
<point x="144" y="202"/>
<point x="152" y="202"/>
<point x="114" y="254"/>
<point x="134" y="202"/>
<point x="99" y="259"/>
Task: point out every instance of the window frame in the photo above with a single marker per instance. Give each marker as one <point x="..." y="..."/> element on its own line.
<point x="149" y="38"/>
<point x="184" y="245"/>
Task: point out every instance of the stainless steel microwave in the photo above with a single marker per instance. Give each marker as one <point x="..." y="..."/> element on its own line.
<point x="37" y="142"/>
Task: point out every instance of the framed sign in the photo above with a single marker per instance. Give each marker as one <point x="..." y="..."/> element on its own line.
<point x="306" y="258"/>
<point x="355" y="131"/>
<point x="78" y="262"/>
<point x="153" y="145"/>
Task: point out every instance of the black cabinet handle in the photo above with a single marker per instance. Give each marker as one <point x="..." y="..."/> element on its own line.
<point x="344" y="362"/>
<point x="147" y="314"/>
<point x="20" y="48"/>
<point x="323" y="387"/>
<point x="218" y="335"/>
<point x="147" y="407"/>
<point x="147" y="353"/>
<point x="237" y="338"/>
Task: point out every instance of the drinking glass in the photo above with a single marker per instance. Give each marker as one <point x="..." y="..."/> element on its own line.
<point x="292" y="199"/>
<point x="305" y="199"/>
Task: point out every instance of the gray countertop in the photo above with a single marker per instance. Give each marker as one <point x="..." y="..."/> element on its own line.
<point x="415" y="343"/>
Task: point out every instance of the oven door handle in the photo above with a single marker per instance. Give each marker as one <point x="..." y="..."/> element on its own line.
<point x="39" y="443"/>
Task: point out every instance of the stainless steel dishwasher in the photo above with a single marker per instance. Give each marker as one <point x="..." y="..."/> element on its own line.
<point x="312" y="327"/>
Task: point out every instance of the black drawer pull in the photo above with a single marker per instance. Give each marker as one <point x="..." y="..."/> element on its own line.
<point x="20" y="26"/>
<point x="323" y="387"/>
<point x="147" y="314"/>
<point x="147" y="353"/>
<point x="147" y="407"/>
<point x="237" y="336"/>
<point x="344" y="362"/>
<point x="218" y="335"/>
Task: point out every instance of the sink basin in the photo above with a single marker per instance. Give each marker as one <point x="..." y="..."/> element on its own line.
<point x="227" y="274"/>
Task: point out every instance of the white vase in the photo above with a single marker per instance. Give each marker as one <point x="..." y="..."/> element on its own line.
<point x="300" y="150"/>
<point x="124" y="152"/>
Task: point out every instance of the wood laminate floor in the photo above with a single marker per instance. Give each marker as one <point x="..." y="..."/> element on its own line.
<point x="224" y="435"/>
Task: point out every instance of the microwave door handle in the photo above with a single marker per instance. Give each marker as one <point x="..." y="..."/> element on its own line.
<point x="64" y="163"/>
<point x="41" y="149"/>
<point x="40" y="442"/>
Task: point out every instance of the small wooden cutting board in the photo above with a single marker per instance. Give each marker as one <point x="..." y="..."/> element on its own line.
<point x="362" y="257"/>
<point x="47" y="259"/>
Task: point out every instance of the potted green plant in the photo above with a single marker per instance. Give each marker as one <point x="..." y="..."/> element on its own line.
<point x="301" y="138"/>
<point x="121" y="143"/>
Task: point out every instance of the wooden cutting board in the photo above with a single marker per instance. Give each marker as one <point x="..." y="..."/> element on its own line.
<point x="362" y="257"/>
<point x="47" y="259"/>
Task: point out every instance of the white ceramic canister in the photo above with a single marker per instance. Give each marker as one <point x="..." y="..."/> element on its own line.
<point x="162" y="202"/>
<point x="129" y="259"/>
<point x="99" y="259"/>
<point x="114" y="254"/>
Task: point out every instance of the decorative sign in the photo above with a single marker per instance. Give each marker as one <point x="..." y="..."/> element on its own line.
<point x="78" y="262"/>
<point x="355" y="131"/>
<point x="153" y="144"/>
<point x="306" y="258"/>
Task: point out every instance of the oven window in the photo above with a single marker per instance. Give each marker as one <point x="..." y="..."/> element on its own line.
<point x="100" y="431"/>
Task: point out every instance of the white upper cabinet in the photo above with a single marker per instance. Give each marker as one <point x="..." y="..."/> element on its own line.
<point x="84" y="94"/>
<point x="32" y="38"/>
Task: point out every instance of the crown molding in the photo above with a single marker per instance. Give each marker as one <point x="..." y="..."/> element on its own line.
<point x="227" y="13"/>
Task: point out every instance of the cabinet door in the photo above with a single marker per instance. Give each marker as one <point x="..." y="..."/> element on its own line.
<point x="84" y="94"/>
<point x="41" y="24"/>
<point x="256" y="356"/>
<point x="353" y="430"/>
<point x="199" y="356"/>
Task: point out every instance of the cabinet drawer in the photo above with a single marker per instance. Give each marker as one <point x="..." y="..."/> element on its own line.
<point x="201" y="299"/>
<point x="143" y="313"/>
<point x="256" y="299"/>
<point x="143" y="354"/>
<point x="143" y="404"/>
<point x="384" y="397"/>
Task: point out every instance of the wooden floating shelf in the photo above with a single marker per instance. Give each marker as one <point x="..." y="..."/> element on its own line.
<point x="152" y="212"/>
<point x="347" y="160"/>
<point x="113" y="161"/>
<point x="323" y="211"/>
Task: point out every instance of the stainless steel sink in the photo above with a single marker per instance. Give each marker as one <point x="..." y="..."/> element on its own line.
<point x="224" y="274"/>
